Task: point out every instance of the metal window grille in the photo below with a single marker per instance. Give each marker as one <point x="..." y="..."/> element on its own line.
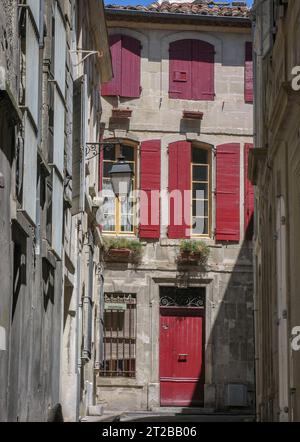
<point x="119" y="335"/>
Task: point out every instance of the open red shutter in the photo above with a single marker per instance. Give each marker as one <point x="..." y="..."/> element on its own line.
<point x="180" y="76"/>
<point x="179" y="189"/>
<point x="150" y="189"/>
<point x="249" y="197"/>
<point x="228" y="193"/>
<point x="131" y="67"/>
<point x="114" y="86"/>
<point x="248" y="73"/>
<point x="203" y="78"/>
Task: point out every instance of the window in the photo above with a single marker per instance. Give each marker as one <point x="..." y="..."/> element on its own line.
<point x="189" y="190"/>
<point x="191" y="72"/>
<point x="118" y="214"/>
<point x="200" y="191"/>
<point x="248" y="72"/>
<point x="126" y="61"/>
<point x="119" y="335"/>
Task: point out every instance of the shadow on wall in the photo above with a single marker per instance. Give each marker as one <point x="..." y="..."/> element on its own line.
<point x="231" y="342"/>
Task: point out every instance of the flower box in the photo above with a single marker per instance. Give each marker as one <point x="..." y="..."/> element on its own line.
<point x="193" y="252"/>
<point x="121" y="113"/>
<point x="190" y="256"/>
<point x="192" y="115"/>
<point x="119" y="252"/>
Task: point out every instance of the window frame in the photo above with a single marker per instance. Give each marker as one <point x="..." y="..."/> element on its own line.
<point x="209" y="182"/>
<point x="106" y="371"/>
<point x="118" y="214"/>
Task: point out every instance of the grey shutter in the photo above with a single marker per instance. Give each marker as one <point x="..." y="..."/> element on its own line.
<point x="79" y="144"/>
<point x="88" y="302"/>
<point x="32" y="70"/>
<point x="60" y="51"/>
<point x="57" y="214"/>
<point x="30" y="170"/>
<point x="58" y="132"/>
<point x="35" y="7"/>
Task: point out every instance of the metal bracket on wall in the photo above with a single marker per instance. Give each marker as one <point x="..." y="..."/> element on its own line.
<point x="88" y="54"/>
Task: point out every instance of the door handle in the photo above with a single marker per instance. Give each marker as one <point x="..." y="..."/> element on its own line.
<point x="182" y="357"/>
<point x="183" y="354"/>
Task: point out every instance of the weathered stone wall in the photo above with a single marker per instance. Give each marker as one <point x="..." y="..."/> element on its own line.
<point x="277" y="240"/>
<point x="229" y="346"/>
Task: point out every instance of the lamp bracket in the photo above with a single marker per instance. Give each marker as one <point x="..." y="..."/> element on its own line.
<point x="88" y="54"/>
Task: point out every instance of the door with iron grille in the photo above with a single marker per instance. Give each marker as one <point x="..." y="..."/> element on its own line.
<point x="182" y="314"/>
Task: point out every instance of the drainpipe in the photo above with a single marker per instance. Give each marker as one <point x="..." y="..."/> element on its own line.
<point x="78" y="326"/>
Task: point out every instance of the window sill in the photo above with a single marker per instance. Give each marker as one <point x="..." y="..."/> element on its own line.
<point x="118" y="382"/>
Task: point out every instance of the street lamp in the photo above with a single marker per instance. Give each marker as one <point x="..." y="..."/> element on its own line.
<point x="121" y="176"/>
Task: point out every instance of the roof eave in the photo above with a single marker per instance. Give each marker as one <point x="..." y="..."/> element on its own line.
<point x="112" y="14"/>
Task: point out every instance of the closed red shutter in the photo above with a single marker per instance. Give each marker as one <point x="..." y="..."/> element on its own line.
<point x="203" y="82"/>
<point x="101" y="158"/>
<point x="114" y="86"/>
<point x="150" y="189"/>
<point x="248" y="73"/>
<point x="180" y="75"/>
<point x="228" y="193"/>
<point x="249" y="197"/>
<point x="131" y="67"/>
<point x="180" y="189"/>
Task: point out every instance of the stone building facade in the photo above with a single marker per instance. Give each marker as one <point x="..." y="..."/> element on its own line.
<point x="148" y="124"/>
<point x="274" y="169"/>
<point x="50" y="109"/>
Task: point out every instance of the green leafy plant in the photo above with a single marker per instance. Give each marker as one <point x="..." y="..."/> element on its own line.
<point x="117" y="243"/>
<point x="196" y="250"/>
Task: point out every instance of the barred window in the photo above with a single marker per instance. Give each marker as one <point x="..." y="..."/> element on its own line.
<point x="119" y="335"/>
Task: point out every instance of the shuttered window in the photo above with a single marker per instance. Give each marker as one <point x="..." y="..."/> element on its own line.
<point x="60" y="45"/>
<point x="80" y="109"/>
<point x="60" y="48"/>
<point x="57" y="214"/>
<point x="88" y="302"/>
<point x="58" y="132"/>
<point x="150" y="189"/>
<point x="228" y="193"/>
<point x="35" y="7"/>
<point x="119" y="214"/>
<point x="32" y="70"/>
<point x="179" y="189"/>
<point x="200" y="191"/>
<point x="248" y="73"/>
<point x="30" y="101"/>
<point x="249" y="197"/>
<point x="191" y="71"/>
<point x="126" y="61"/>
<point x="30" y="169"/>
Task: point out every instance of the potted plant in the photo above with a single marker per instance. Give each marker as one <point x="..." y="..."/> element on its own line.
<point x="122" y="249"/>
<point x="194" y="251"/>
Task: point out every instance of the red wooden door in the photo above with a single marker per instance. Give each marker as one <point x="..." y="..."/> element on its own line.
<point x="181" y="356"/>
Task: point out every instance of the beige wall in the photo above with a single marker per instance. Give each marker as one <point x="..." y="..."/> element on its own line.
<point x="228" y="277"/>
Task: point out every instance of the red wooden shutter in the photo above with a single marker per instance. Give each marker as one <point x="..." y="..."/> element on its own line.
<point x="203" y="71"/>
<point x="131" y="67"/>
<point x="228" y="193"/>
<point x="249" y="197"/>
<point x="248" y="73"/>
<point x="180" y="183"/>
<point x="180" y="76"/>
<point x="150" y="187"/>
<point x="101" y="158"/>
<point x="114" y="86"/>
